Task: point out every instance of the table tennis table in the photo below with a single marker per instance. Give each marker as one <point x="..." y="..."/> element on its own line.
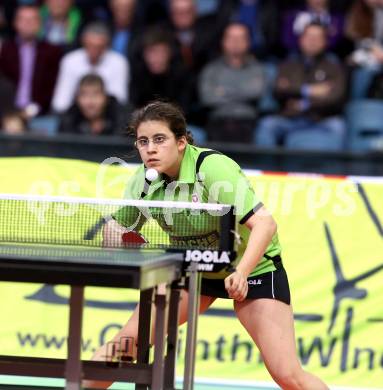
<point x="42" y="240"/>
<point x="76" y="267"/>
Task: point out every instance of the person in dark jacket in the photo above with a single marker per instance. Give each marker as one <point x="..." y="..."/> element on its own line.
<point x="29" y="63"/>
<point x="311" y="89"/>
<point x="197" y="37"/>
<point x="7" y="95"/>
<point x="263" y="19"/>
<point x="159" y="73"/>
<point x="94" y="112"/>
<point x="123" y="25"/>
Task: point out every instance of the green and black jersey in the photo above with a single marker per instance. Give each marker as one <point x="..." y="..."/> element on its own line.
<point x="219" y="180"/>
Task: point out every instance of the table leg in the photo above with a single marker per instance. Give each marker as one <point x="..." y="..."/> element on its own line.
<point x="73" y="369"/>
<point x="171" y="352"/>
<point x="192" y="322"/>
<point x="144" y="324"/>
<point x="162" y="308"/>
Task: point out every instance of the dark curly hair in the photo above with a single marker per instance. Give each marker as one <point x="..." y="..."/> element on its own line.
<point x="161" y="111"/>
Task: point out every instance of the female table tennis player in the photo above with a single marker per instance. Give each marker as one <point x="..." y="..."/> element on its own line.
<point x="258" y="287"/>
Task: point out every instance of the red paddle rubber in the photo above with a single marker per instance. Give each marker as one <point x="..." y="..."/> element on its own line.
<point x="133" y="239"/>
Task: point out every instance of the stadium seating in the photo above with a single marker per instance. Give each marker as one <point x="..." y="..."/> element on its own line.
<point x="364" y="120"/>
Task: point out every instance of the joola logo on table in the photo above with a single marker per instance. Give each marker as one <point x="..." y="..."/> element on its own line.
<point x="208" y="256"/>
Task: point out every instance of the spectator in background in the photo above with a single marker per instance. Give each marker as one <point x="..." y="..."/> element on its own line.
<point x="123" y="21"/>
<point x="14" y="123"/>
<point x="295" y="21"/>
<point x="364" y="26"/>
<point x="7" y="96"/>
<point x="311" y="90"/>
<point x="231" y="87"/>
<point x="94" y="57"/>
<point x="94" y="112"/>
<point x="152" y="12"/>
<point x="159" y="73"/>
<point x="3" y="22"/>
<point x="263" y="21"/>
<point x="92" y="10"/>
<point x="29" y="63"/>
<point x="198" y="38"/>
<point x="342" y="6"/>
<point x="7" y="13"/>
<point x="61" y="22"/>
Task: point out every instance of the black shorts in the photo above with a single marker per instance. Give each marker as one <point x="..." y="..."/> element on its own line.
<point x="273" y="285"/>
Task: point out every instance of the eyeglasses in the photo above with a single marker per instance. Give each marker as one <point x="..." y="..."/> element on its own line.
<point x="144" y="142"/>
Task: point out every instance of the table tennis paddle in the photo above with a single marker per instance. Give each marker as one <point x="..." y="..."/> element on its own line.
<point x="133" y="239"/>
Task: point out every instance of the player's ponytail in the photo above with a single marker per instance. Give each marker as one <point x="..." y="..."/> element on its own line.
<point x="189" y="137"/>
<point x="162" y="111"/>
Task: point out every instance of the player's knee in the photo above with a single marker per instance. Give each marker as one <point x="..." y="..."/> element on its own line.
<point x="289" y="379"/>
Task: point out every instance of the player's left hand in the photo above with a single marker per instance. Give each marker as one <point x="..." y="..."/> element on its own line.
<point x="236" y="286"/>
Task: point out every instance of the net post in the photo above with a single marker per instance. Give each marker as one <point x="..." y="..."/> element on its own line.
<point x="227" y="225"/>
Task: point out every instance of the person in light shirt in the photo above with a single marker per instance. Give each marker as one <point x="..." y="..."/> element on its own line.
<point x="94" y="57"/>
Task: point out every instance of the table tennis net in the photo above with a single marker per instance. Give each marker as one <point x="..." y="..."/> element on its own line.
<point x="88" y="222"/>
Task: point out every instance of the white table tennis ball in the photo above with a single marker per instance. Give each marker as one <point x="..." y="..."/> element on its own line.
<point x="151" y="174"/>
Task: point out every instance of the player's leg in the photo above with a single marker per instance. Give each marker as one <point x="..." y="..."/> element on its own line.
<point x="130" y="329"/>
<point x="270" y="323"/>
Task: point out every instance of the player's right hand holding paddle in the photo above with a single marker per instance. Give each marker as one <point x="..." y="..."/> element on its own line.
<point x="116" y="236"/>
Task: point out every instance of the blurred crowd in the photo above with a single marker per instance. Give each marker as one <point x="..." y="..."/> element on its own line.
<point x="303" y="74"/>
